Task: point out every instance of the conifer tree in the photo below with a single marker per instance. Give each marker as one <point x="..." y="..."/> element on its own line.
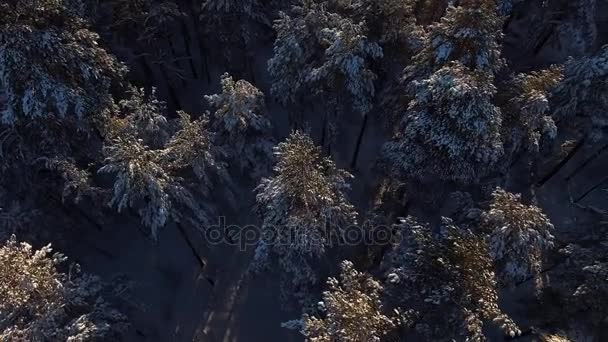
<point x="147" y="178"/>
<point x="451" y="130"/>
<point x="527" y="120"/>
<point x="321" y="51"/>
<point x="40" y="303"/>
<point x="351" y="310"/>
<point x="446" y="277"/>
<point x="303" y="208"/>
<point x="583" y="93"/>
<point x="51" y="63"/>
<point x="240" y="125"/>
<point x="519" y="236"/>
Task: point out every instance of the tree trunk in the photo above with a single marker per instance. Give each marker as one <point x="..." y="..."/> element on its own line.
<point x="561" y="164"/>
<point x="353" y="163"/>
<point x="324" y="130"/>
<point x="187" y="41"/>
<point x="175" y="58"/>
<point x="172" y="93"/>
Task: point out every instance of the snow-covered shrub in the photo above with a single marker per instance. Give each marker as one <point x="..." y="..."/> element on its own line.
<point x="351" y="310"/>
<point x="447" y="277"/>
<point x="468" y="33"/>
<point x="451" y="130"/>
<point x="302" y="208"/>
<point x="321" y="51"/>
<point x="519" y="235"/>
<point x="39" y="303"/>
<point x="583" y="93"/>
<point x="51" y="63"/>
<point x="241" y="127"/>
<point x="528" y="122"/>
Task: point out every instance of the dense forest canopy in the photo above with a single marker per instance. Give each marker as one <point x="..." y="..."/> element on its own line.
<point x="388" y="170"/>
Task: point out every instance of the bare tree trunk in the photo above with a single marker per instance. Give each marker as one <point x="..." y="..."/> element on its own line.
<point x="187" y="40"/>
<point x="324" y="129"/>
<point x="353" y="163"/>
<point x="174" y="56"/>
<point x="561" y="164"/>
<point x="172" y="93"/>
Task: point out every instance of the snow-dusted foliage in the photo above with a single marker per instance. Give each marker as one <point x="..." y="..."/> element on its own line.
<point x="528" y="122"/>
<point x="583" y="93"/>
<point x="582" y="283"/>
<point x="142" y="116"/>
<point x="143" y="180"/>
<point x="351" y="310"/>
<point x="147" y="20"/>
<point x="302" y="207"/>
<point x="76" y="182"/>
<point x="147" y="179"/>
<point x="468" y="33"/>
<point x="447" y="278"/>
<point x="241" y="127"/>
<point x="191" y="147"/>
<point x="39" y="303"/>
<point x="505" y="7"/>
<point x="519" y="236"/>
<point x="51" y="63"/>
<point x="322" y="52"/>
<point x="249" y="8"/>
<point x="451" y="130"/>
<point x="396" y="21"/>
<point x="577" y="32"/>
<point x="233" y="22"/>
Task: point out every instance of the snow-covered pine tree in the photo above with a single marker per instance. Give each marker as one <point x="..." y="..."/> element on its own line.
<point x="303" y="208"/>
<point x="191" y="147"/>
<point x="451" y="130"/>
<point x="393" y="22"/>
<point x="226" y="8"/>
<point x="320" y="51"/>
<point x="351" y="310"/>
<point x="51" y="64"/>
<point x="583" y="94"/>
<point x="580" y="283"/>
<point x="234" y="23"/>
<point x="147" y="179"/>
<point x="518" y="235"/>
<point x="527" y="121"/>
<point x="40" y="303"/>
<point x="446" y="277"/>
<point x="578" y="30"/>
<point x="241" y="127"/>
<point x="469" y="33"/>
<point x="142" y="116"/>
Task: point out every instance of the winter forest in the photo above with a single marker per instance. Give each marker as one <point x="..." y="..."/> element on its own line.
<point x="303" y="170"/>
